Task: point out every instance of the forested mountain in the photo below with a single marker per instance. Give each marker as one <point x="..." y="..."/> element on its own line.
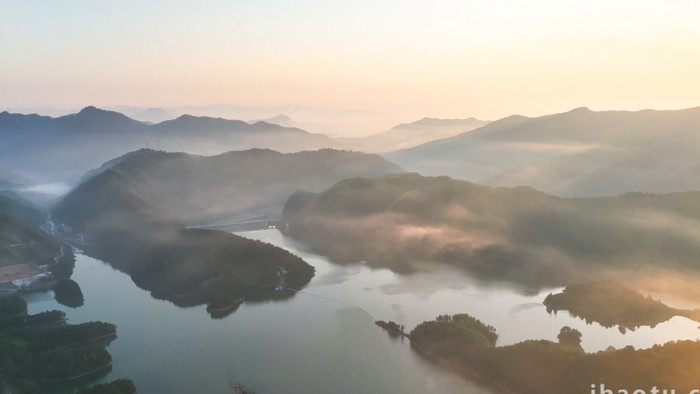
<point x="407" y="135"/>
<point x="200" y="189"/>
<point x="21" y="242"/>
<point x="130" y="213"/>
<point x="407" y="222"/>
<point x="577" y="153"/>
<point x="17" y="205"/>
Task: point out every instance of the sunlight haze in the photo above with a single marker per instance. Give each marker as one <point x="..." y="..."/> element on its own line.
<point x="487" y="59"/>
<point x="323" y="196"/>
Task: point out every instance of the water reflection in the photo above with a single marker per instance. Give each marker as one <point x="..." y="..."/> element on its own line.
<point x="517" y="314"/>
<point x="67" y="292"/>
<point x="303" y="344"/>
<point x="321" y="340"/>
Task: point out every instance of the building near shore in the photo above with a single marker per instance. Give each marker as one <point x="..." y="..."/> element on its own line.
<point x="23" y="277"/>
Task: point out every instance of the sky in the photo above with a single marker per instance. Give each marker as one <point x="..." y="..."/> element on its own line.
<point x="415" y="58"/>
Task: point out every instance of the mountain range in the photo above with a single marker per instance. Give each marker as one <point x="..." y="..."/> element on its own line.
<point x="46" y="149"/>
<point x="407" y="135"/>
<point x="194" y="189"/>
<point x="408" y="222"/>
<point x="130" y="214"/>
<point x="576" y="153"/>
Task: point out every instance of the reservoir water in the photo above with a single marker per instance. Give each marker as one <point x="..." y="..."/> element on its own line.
<point x="324" y="339"/>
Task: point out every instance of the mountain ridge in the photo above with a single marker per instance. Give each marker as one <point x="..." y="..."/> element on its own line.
<point x="195" y="189"/>
<point x="407" y="222"/>
<point x="46" y="149"/>
<point x="414" y="133"/>
<point x="575" y="153"/>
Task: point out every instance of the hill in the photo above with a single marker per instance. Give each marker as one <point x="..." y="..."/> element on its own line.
<point x="407" y="135"/>
<point x="465" y="345"/>
<point x="281" y="119"/>
<point x="201" y="189"/>
<point x="18" y="206"/>
<point x="184" y="266"/>
<point x="613" y="304"/>
<point x="48" y="150"/>
<point x="130" y="214"/>
<point x="577" y="153"/>
<point x="21" y="243"/>
<point x="407" y="222"/>
<point x="152" y="115"/>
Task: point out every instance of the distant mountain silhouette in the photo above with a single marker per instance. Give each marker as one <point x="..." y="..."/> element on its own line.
<point x="45" y="149"/>
<point x="153" y="115"/>
<point x="428" y="123"/>
<point x="95" y="120"/>
<point x="576" y="153"/>
<point x="407" y="135"/>
<point x="281" y="120"/>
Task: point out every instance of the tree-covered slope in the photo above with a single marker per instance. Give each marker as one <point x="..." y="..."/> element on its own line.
<point x="185" y="266"/>
<point x="200" y="189"/>
<point x="406" y="221"/>
<point x="21" y="242"/>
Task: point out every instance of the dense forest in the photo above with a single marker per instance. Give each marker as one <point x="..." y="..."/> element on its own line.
<point x="612" y="304"/>
<point x="38" y="349"/>
<point x="18" y="206"/>
<point x="467" y="345"/>
<point x="119" y="386"/>
<point x="406" y="221"/>
<point x="20" y="242"/>
<point x="185" y="266"/>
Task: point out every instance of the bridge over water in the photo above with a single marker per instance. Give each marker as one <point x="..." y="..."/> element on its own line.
<point x="245" y="224"/>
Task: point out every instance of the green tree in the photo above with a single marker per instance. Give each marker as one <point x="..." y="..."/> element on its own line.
<point x="570" y="337"/>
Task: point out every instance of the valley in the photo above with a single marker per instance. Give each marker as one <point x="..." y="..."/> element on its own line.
<point x="260" y="254"/>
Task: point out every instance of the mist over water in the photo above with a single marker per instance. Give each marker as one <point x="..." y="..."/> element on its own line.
<point x="306" y="344"/>
<point x="458" y="160"/>
<point x="323" y="339"/>
<point x="50" y="189"/>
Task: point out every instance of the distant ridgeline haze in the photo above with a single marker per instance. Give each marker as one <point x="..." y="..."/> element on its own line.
<point x="579" y="153"/>
<point x="45" y="149"/>
<point x="407" y="135"/>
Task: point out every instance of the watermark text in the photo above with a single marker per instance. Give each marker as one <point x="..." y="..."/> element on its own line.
<point x="601" y="389"/>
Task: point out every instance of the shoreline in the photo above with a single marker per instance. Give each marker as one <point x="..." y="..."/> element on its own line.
<point x="82" y="375"/>
<point x="227" y="307"/>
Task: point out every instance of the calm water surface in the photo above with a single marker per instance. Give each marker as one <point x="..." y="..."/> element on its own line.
<point x="324" y="339"/>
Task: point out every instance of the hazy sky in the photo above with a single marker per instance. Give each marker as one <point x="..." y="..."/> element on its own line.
<point x="479" y="58"/>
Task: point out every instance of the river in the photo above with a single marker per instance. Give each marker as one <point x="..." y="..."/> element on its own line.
<point x="322" y="340"/>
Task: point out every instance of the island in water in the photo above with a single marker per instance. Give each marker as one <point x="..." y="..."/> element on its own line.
<point x="467" y="346"/>
<point x="41" y="350"/>
<point x="612" y="304"/>
<point x="187" y="266"/>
